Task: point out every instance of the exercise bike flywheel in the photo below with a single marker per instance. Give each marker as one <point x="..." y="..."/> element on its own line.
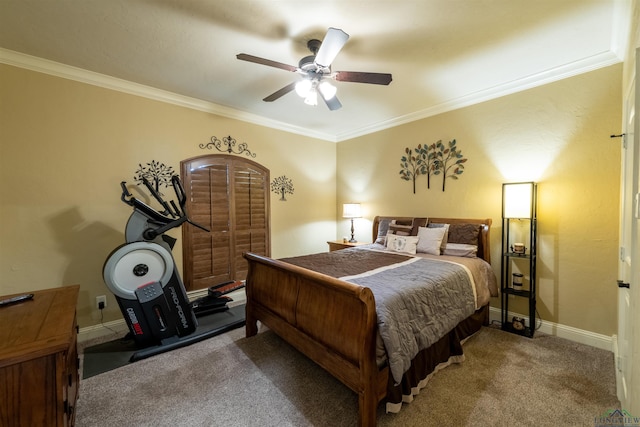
<point x="135" y="264"/>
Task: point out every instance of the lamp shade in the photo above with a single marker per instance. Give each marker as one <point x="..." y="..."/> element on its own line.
<point x="518" y="199"/>
<point x="351" y="210"/>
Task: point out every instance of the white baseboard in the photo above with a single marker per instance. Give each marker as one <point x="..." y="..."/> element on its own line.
<point x="562" y="331"/>
<point x="239" y="297"/>
<point x="97" y="331"/>
<point x="120" y="326"/>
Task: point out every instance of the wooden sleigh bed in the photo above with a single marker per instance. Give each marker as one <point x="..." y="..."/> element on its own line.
<point x="335" y="323"/>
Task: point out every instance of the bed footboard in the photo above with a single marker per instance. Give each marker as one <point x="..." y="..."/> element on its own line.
<point x="332" y="322"/>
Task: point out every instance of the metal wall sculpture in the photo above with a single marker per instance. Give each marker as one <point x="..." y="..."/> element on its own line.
<point x="282" y="185"/>
<point x="156" y="173"/>
<point x="434" y="159"/>
<point x="230" y="144"/>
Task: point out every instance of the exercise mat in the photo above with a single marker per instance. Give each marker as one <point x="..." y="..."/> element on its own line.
<point x="114" y="354"/>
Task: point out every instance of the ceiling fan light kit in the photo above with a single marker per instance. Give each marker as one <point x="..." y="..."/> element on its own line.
<point x="303" y="87"/>
<point x="327" y="90"/>
<point x="316" y="68"/>
<point x="307" y="89"/>
<point x="311" y="98"/>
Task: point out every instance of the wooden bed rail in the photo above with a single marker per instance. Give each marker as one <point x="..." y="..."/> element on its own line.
<point x="330" y="321"/>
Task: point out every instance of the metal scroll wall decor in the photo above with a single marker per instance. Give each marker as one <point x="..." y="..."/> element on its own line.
<point x="434" y="159"/>
<point x="156" y="173"/>
<point x="282" y="185"/>
<point x="230" y="143"/>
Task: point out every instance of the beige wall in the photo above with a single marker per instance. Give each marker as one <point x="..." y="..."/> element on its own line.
<point x="64" y="148"/>
<point x="557" y="135"/>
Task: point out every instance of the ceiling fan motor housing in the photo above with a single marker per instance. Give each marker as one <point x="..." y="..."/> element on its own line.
<point x="314" y="46"/>
<point x="308" y="63"/>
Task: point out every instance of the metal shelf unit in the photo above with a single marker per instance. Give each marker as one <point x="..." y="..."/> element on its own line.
<point x="526" y="262"/>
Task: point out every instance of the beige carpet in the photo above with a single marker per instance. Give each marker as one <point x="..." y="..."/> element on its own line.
<point x="506" y="380"/>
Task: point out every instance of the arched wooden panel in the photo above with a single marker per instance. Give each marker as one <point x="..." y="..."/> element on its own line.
<point x="230" y="196"/>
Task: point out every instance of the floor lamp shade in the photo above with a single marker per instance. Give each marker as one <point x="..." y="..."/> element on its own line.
<point x="518" y="200"/>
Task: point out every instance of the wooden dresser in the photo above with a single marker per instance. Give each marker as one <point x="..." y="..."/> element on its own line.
<point x="39" y="360"/>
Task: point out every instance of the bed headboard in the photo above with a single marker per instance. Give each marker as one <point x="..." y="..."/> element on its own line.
<point x="484" y="249"/>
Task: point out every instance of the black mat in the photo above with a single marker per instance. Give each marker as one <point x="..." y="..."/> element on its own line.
<point x="114" y="354"/>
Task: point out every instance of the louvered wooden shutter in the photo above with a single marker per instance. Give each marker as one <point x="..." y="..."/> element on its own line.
<point x="230" y="196"/>
<point x="250" y="214"/>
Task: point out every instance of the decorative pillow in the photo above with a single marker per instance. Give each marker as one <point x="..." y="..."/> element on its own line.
<point x="417" y="223"/>
<point x="430" y="240"/>
<point x="400" y="227"/>
<point x="383" y="228"/>
<point x="460" y="249"/>
<point x="406" y="244"/>
<point x="464" y="233"/>
<point x="408" y="226"/>
<point x="400" y="230"/>
<point x="445" y="238"/>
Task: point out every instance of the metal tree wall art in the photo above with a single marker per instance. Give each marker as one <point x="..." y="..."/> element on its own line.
<point x="429" y="159"/>
<point x="434" y="159"/>
<point x="412" y="166"/>
<point x="282" y="185"/>
<point x="156" y="173"/>
<point x="449" y="158"/>
<point x="230" y="146"/>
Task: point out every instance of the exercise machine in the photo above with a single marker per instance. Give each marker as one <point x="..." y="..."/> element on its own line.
<point x="143" y="277"/>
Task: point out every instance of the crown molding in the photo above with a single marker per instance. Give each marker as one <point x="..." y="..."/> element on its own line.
<point x="17" y="59"/>
<point x="601" y="60"/>
<point x="69" y="72"/>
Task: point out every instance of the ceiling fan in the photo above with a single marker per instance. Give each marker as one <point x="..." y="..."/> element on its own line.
<point x="316" y="70"/>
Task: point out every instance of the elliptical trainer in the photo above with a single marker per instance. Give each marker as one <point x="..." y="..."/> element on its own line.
<point x="142" y="275"/>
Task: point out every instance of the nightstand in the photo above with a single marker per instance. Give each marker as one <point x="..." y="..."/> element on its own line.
<point x="336" y="245"/>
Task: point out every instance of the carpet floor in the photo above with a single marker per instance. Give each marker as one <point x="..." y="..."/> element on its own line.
<point x="106" y="356"/>
<point x="229" y="380"/>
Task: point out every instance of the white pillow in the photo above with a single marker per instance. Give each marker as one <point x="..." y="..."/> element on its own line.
<point x="460" y="249"/>
<point x="446" y="233"/>
<point x="430" y="240"/>
<point x="407" y="244"/>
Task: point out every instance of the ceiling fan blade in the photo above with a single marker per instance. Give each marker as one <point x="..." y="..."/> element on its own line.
<point x="277" y="94"/>
<point x="332" y="103"/>
<point x="362" y="77"/>
<point x="270" y="63"/>
<point x="333" y="42"/>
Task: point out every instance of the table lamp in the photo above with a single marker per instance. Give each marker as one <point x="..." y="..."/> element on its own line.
<point x="351" y="210"/>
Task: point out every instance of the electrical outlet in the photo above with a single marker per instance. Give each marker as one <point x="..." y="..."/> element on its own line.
<point x="101" y="302"/>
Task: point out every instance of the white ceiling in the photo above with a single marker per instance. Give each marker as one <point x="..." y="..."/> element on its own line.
<point x="443" y="54"/>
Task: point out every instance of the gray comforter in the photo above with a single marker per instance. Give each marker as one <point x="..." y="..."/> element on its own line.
<point x="427" y="298"/>
<point x="419" y="298"/>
